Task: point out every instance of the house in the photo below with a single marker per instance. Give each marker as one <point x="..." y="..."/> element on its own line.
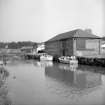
<point x="76" y="42"/>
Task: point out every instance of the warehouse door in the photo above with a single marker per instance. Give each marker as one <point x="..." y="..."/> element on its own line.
<point x="64" y="48"/>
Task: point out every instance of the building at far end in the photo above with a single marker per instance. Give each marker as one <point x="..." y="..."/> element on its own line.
<point x="76" y="42"/>
<point x="40" y="47"/>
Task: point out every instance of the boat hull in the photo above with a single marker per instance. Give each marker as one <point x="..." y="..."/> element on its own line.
<point x="46" y="57"/>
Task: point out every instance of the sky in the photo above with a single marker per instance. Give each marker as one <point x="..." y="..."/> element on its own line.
<point x="39" y="20"/>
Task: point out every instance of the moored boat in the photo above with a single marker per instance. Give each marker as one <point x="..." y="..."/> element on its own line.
<point x="70" y="60"/>
<point x="64" y="59"/>
<point x="73" y="61"/>
<point x="46" y="57"/>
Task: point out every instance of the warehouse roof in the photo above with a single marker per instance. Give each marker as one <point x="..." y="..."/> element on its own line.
<point x="78" y="33"/>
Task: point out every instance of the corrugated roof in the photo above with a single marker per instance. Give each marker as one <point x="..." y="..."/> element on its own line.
<point x="78" y="33"/>
<point x="84" y="34"/>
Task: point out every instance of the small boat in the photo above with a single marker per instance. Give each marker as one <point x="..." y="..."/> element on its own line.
<point x="64" y="59"/>
<point x="73" y="61"/>
<point x="45" y="57"/>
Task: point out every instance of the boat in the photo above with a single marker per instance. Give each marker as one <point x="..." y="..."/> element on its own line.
<point x="69" y="60"/>
<point x="64" y="59"/>
<point x="46" y="57"/>
<point x="73" y="61"/>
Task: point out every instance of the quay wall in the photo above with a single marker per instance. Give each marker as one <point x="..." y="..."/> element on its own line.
<point x="91" y="61"/>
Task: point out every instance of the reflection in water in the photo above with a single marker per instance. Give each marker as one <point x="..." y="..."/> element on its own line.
<point x="69" y="83"/>
<point x="47" y="83"/>
<point x="43" y="64"/>
<point x="68" y="67"/>
<point x="95" y="69"/>
<point x="4" y="99"/>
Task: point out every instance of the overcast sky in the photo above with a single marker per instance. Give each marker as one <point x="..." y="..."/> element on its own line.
<point x="39" y="20"/>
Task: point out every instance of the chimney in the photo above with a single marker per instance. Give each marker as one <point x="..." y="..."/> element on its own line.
<point x="88" y="31"/>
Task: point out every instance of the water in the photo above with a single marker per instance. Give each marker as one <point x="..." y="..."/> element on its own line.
<point x="45" y="83"/>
